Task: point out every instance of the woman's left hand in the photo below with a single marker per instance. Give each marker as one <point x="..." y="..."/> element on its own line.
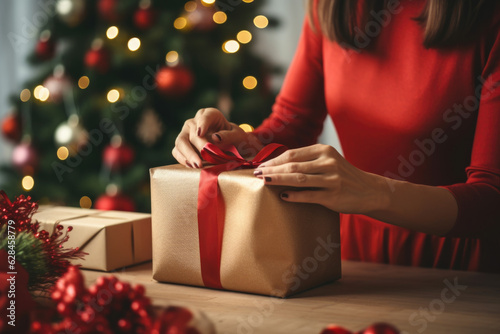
<point x="327" y="178"/>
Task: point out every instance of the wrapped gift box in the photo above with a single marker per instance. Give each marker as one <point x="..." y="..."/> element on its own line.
<point x="112" y="239"/>
<point x="269" y="246"/>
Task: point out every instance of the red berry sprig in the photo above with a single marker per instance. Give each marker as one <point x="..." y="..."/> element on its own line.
<point x="108" y="306"/>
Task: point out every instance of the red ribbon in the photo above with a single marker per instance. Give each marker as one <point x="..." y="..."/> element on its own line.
<point x="211" y="208"/>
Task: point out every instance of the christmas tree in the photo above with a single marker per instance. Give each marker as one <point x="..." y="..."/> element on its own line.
<point x="115" y="80"/>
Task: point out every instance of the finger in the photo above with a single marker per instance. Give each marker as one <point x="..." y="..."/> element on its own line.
<point x="180" y="158"/>
<point x="304" y="196"/>
<point x="308" y="167"/>
<point x="209" y="119"/>
<point x="183" y="145"/>
<point x="195" y="140"/>
<point x="295" y="180"/>
<point x="233" y="136"/>
<point x="296" y="155"/>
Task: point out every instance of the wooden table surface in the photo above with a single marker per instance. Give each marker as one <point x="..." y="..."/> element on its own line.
<point x="416" y="300"/>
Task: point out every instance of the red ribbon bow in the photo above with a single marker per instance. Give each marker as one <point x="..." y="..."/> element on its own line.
<point x="211" y="208"/>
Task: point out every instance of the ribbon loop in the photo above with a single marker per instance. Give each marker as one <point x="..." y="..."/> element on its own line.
<point x="211" y="208"/>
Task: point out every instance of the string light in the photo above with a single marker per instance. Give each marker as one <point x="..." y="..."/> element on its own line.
<point x="84" y="82"/>
<point x="113" y="95"/>
<point x="85" y="202"/>
<point x="244" y="37"/>
<point x="44" y="94"/>
<point x="172" y="57"/>
<point x="219" y="17"/>
<point x="62" y="153"/>
<point x="208" y="2"/>
<point x="112" y="32"/>
<point x="190" y="6"/>
<point x="28" y="182"/>
<point x="250" y="82"/>
<point x="111" y="189"/>
<point x="134" y="44"/>
<point x="260" y="21"/>
<point x="180" y="23"/>
<point x="248" y="1"/>
<point x="246" y="127"/>
<point x="230" y="46"/>
<point x="36" y="91"/>
<point x="25" y="95"/>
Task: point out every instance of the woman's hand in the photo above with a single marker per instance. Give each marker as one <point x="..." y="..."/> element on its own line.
<point x="326" y="178"/>
<point x="210" y="125"/>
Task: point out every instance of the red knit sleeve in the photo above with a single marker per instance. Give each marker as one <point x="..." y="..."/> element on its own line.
<point x="479" y="198"/>
<point x="299" y="110"/>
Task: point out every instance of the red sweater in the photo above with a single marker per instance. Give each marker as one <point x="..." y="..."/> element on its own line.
<point x="410" y="113"/>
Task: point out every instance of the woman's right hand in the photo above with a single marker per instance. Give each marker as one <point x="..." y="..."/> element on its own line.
<point x="210" y="125"/>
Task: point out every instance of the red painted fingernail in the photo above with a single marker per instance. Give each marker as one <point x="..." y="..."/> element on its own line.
<point x="187" y="163"/>
<point x="199" y="131"/>
<point x="218" y="137"/>
<point x="284" y="195"/>
<point x="257" y="172"/>
<point x="196" y="165"/>
<point x="268" y="179"/>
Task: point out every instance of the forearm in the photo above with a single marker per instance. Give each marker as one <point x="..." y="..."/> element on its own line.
<point x="417" y="207"/>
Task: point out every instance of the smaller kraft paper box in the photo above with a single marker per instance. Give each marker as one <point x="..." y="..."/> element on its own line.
<point x="262" y="245"/>
<point x="111" y="239"/>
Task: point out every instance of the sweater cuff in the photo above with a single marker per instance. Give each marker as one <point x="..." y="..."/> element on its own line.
<point x="476" y="212"/>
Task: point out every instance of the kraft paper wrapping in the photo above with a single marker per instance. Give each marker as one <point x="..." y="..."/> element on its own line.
<point x="269" y="247"/>
<point x="112" y="239"/>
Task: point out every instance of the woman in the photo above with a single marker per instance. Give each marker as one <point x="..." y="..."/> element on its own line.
<point x="413" y="89"/>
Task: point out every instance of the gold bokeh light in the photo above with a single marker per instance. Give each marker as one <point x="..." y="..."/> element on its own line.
<point x="134" y="44"/>
<point x="112" y="32"/>
<point x="219" y="17"/>
<point x="244" y="37"/>
<point x="62" y="153"/>
<point x="260" y="21"/>
<point x="180" y="23"/>
<point x="85" y="202"/>
<point x="25" y="95"/>
<point x="113" y="95"/>
<point x="172" y="57"/>
<point x="28" y="182"/>
<point x="190" y="6"/>
<point x="250" y="82"/>
<point x="230" y="46"/>
<point x="83" y="82"/>
<point x="246" y="127"/>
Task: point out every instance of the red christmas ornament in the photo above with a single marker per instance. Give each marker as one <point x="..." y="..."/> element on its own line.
<point x="117" y="202"/>
<point x="334" y="329"/>
<point x="108" y="10"/>
<point x="381" y="328"/>
<point x="174" y="81"/>
<point x="98" y="59"/>
<point x="118" y="157"/>
<point x="11" y="127"/>
<point x="144" y="18"/>
<point x="45" y="49"/>
<point x="25" y="157"/>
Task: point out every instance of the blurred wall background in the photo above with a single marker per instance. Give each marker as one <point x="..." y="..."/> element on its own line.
<point x="13" y="71"/>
